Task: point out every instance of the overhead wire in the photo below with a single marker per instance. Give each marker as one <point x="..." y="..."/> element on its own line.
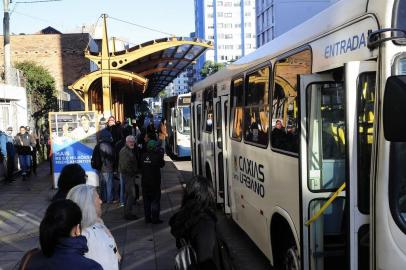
<point x="141" y="26"/>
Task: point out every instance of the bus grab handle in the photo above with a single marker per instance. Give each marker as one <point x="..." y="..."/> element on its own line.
<point x="325" y="205"/>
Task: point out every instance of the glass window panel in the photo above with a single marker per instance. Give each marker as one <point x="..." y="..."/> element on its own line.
<point x="256" y="125"/>
<point x="326" y="136"/>
<point x="366" y="117"/>
<point x="257" y="88"/>
<point x="285" y="103"/>
<point x="237" y="113"/>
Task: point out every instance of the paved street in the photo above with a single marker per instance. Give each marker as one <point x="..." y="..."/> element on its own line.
<point x="143" y="246"/>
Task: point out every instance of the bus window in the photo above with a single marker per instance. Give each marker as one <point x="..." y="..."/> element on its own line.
<point x="236" y="108"/>
<point x="365" y="112"/>
<point x="326" y="136"/>
<point x="208" y="110"/>
<point x="183" y="118"/>
<point x="284" y="135"/>
<point x="256" y="108"/>
<point x="199" y="120"/>
<point x="218" y="125"/>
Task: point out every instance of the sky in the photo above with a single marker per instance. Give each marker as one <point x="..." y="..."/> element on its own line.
<point x="171" y="16"/>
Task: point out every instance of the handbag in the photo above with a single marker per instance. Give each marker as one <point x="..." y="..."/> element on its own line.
<point x="186" y="257"/>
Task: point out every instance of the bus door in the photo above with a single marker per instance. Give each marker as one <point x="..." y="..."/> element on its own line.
<point x="193" y="138"/>
<point x="224" y="125"/>
<point x="198" y="132"/>
<point x="173" y="130"/>
<point x="218" y="149"/>
<point x="336" y="150"/>
<point x="323" y="171"/>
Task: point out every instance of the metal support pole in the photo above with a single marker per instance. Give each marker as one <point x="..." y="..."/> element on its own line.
<point x="6" y="37"/>
<point x="105" y="67"/>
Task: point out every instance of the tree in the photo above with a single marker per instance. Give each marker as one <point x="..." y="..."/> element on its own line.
<point x="210" y="68"/>
<point x="40" y="90"/>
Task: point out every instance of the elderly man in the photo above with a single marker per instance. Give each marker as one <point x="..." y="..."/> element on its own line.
<point x="128" y="168"/>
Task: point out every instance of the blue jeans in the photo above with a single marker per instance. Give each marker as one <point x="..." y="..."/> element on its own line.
<point x="122" y="189"/>
<point x="106" y="186"/>
<point x="25" y="163"/>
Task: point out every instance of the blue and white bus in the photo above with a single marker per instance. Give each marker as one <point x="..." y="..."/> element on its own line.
<point x="176" y="111"/>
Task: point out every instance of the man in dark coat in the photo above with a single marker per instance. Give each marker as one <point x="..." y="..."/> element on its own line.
<point x="128" y="170"/>
<point x="106" y="172"/>
<point x="152" y="161"/>
<point x="24" y="145"/>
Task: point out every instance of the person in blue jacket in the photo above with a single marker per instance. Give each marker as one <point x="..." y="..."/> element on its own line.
<point x="3" y="151"/>
<point x="10" y="157"/>
<point x="62" y="245"/>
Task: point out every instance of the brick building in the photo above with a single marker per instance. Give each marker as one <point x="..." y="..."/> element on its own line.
<point x="61" y="54"/>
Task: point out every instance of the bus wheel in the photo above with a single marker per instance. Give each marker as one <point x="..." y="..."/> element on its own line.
<point x="291" y="260"/>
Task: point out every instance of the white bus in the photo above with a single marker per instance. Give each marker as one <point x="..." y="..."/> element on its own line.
<point x="176" y="111"/>
<point x="305" y="140"/>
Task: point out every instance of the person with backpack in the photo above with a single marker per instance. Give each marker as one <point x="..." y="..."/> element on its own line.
<point x="128" y="168"/>
<point x="195" y="225"/>
<point x="103" y="159"/>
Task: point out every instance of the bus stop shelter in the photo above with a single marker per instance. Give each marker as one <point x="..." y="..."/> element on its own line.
<point x="126" y="77"/>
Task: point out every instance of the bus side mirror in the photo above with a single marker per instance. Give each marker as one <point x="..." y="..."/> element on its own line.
<point x="394" y="109"/>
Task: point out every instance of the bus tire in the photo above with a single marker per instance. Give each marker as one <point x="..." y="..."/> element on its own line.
<point x="291" y="260"/>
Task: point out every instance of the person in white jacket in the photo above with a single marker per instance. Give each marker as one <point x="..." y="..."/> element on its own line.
<point x="100" y="241"/>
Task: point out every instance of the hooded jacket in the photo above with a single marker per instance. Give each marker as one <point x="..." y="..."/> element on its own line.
<point x="68" y="255"/>
<point x="152" y="162"/>
<point x="106" y="151"/>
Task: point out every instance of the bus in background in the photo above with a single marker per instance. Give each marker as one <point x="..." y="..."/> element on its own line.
<point x="305" y="140"/>
<point x="176" y="111"/>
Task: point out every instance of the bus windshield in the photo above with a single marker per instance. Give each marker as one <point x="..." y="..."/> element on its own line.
<point x="184" y="120"/>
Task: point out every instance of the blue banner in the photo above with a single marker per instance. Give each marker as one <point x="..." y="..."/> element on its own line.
<point x="73" y="137"/>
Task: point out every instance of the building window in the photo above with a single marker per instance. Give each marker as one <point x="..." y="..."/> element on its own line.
<point x="210" y="26"/>
<point x="228" y="15"/>
<point x="228" y="4"/>
<point x="237" y="4"/>
<point x="256" y="110"/>
<point x="220" y="25"/>
<point x="210" y="15"/>
<point x="228" y="47"/>
<point x="219" y="14"/>
<point x="219" y="3"/>
<point x="228" y="25"/>
<point x="248" y="24"/>
<point x="248" y="35"/>
<point x="228" y="36"/>
<point x="285" y="103"/>
<point x="247" y="14"/>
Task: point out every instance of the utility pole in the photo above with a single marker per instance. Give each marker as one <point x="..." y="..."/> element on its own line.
<point x="6" y="38"/>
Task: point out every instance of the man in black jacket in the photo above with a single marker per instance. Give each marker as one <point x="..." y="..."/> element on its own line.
<point x="24" y="145"/>
<point x="152" y="161"/>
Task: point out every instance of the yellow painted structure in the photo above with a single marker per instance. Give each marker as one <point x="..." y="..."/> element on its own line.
<point x="119" y="66"/>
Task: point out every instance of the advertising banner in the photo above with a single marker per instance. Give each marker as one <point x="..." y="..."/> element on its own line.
<point x="73" y="137"/>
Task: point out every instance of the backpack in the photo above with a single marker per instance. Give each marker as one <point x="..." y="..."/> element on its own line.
<point x="185" y="258"/>
<point x="96" y="161"/>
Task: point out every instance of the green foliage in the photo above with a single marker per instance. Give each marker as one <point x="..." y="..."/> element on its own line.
<point x="210" y="68"/>
<point x="41" y="90"/>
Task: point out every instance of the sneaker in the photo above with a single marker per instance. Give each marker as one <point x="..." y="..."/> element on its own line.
<point x="121" y="204"/>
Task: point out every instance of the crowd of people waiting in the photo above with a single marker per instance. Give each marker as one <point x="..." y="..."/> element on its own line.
<point x="72" y="233"/>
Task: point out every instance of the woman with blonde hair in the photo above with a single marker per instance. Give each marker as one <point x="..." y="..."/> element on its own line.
<point x="100" y="241"/>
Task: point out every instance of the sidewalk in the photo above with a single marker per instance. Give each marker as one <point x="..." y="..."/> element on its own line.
<point x="142" y="246"/>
